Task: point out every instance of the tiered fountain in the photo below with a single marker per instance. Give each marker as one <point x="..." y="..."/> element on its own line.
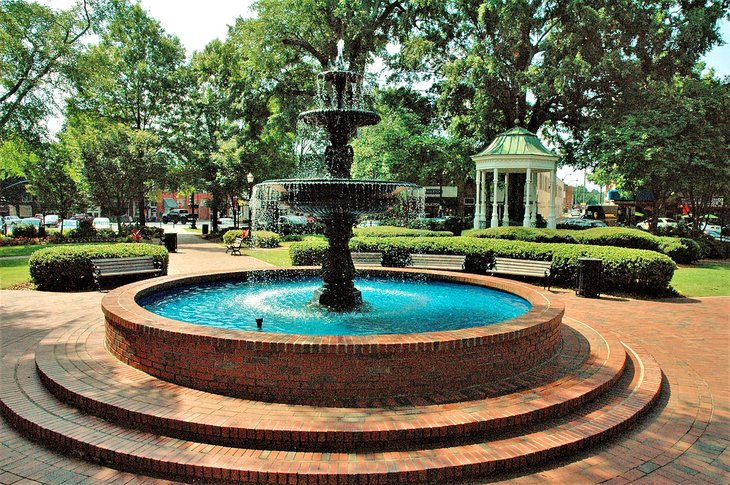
<point x="149" y="393"/>
<point x="338" y="199"/>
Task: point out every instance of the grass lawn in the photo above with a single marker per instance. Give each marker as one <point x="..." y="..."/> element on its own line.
<point x="20" y="250"/>
<point x="277" y="257"/>
<point x="13" y="272"/>
<point x="707" y="278"/>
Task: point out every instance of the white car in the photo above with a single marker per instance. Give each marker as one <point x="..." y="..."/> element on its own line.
<point x="225" y="222"/>
<point x="69" y="224"/>
<point x="369" y="223"/>
<point x="10" y="220"/>
<point x="101" y="223"/>
<point x="662" y="222"/>
<point x="51" y="220"/>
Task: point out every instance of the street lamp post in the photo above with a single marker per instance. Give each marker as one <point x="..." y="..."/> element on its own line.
<point x="249" y="178"/>
<point x="235" y="211"/>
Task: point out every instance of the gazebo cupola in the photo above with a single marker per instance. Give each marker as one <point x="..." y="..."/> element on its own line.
<point x="514" y="151"/>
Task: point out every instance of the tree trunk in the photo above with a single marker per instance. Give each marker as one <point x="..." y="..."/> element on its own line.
<point x="142" y="210"/>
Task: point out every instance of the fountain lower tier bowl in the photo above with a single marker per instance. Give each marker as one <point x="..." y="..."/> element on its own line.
<point x="329" y="370"/>
<point x="339" y="120"/>
<point x="328" y="197"/>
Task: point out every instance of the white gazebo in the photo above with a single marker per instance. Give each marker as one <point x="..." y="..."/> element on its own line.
<point x="514" y="151"/>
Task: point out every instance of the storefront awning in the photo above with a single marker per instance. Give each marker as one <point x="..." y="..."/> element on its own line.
<point x="169" y="204"/>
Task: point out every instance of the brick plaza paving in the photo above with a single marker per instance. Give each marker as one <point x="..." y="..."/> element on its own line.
<point x="684" y="439"/>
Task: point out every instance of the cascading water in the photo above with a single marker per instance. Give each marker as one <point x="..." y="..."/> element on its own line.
<point x="336" y="198"/>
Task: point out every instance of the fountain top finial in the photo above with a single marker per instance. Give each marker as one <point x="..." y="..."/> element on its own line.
<point x="340" y="59"/>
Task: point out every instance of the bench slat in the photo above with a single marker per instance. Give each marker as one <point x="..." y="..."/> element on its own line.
<point x="438" y="261"/>
<point x="110" y="267"/>
<point x="367" y="259"/>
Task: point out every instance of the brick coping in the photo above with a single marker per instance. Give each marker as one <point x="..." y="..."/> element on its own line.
<point x="120" y="306"/>
<point x="74" y="365"/>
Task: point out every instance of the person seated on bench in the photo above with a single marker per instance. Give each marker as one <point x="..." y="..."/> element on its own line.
<point x="235" y="246"/>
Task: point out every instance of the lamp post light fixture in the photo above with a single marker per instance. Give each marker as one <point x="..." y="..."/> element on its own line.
<point x="249" y="178"/>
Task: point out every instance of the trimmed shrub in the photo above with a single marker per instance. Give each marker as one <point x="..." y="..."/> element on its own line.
<point x="261" y="239"/>
<point x="625" y="269"/>
<point x="86" y="229"/>
<point x="25" y="230"/>
<point x="65" y="268"/>
<point x="392" y="231"/>
<point x="681" y="250"/>
<point x="308" y="252"/>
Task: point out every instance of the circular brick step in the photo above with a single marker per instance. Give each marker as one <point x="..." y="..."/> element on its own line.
<point x="74" y="365"/>
<point x="33" y="409"/>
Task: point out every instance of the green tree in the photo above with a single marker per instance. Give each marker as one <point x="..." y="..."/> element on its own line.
<point x="671" y="137"/>
<point x="311" y="28"/>
<point x="120" y="164"/>
<point x="131" y="77"/>
<point x="38" y="49"/>
<point x="549" y="63"/>
<point x="54" y="181"/>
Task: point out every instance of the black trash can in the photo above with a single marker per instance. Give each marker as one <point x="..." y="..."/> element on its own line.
<point x="589" y="277"/>
<point x="204" y="229"/>
<point x="171" y="242"/>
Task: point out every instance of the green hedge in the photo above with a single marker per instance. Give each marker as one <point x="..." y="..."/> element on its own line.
<point x="68" y="268"/>
<point x="625" y="269"/>
<point x="680" y="250"/>
<point x="393" y="231"/>
<point x="261" y="239"/>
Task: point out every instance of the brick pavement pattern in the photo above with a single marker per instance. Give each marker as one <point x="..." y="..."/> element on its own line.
<point x="683" y="439"/>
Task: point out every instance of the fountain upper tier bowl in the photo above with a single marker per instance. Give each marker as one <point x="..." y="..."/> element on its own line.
<point x="328" y="197"/>
<point x="334" y="120"/>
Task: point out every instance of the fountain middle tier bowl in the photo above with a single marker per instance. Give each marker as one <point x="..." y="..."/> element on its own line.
<point x="331" y="369"/>
<point x="328" y="197"/>
<point x="334" y="120"/>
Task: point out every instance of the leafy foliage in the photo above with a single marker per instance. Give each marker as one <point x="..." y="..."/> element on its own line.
<point x="391" y="231"/>
<point x="681" y="250"/>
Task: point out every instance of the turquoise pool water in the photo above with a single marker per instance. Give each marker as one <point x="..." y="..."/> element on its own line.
<point x="391" y="306"/>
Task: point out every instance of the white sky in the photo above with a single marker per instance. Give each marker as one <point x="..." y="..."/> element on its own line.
<point x="197" y="22"/>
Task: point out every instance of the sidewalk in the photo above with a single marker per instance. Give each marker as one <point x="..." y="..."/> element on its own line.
<point x="685" y="439"/>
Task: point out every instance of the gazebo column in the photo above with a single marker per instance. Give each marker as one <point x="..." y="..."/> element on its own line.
<point x="485" y="193"/>
<point x="505" y="215"/>
<point x="528" y="191"/>
<point x="495" y="215"/>
<point x="533" y="213"/>
<point x="551" y="220"/>
<point x="478" y="200"/>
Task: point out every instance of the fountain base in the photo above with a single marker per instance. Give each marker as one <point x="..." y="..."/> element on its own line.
<point x="339" y="300"/>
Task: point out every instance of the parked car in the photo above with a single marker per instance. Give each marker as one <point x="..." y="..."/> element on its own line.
<point x="369" y="223"/>
<point x="31" y="221"/>
<point x="83" y="217"/>
<point x="293" y="220"/>
<point x="717" y="236"/>
<point x="101" y="223"/>
<point x="176" y="216"/>
<point x="578" y="223"/>
<point x="9" y="221"/>
<point x="70" y="224"/>
<point x="662" y="222"/>
<point x="225" y="223"/>
<point x="51" y="220"/>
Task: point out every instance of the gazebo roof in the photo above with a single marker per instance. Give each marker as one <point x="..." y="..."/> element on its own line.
<point x="516" y="142"/>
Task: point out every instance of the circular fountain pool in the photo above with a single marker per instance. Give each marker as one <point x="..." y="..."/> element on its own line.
<point x="392" y="306"/>
<point x="331" y="370"/>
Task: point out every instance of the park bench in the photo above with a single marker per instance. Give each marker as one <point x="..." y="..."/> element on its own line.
<point x="118" y="267"/>
<point x="451" y="262"/>
<point x="235" y="246"/>
<point x="523" y="267"/>
<point x="367" y="259"/>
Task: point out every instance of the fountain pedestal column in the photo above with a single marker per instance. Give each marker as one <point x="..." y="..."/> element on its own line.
<point x="338" y="271"/>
